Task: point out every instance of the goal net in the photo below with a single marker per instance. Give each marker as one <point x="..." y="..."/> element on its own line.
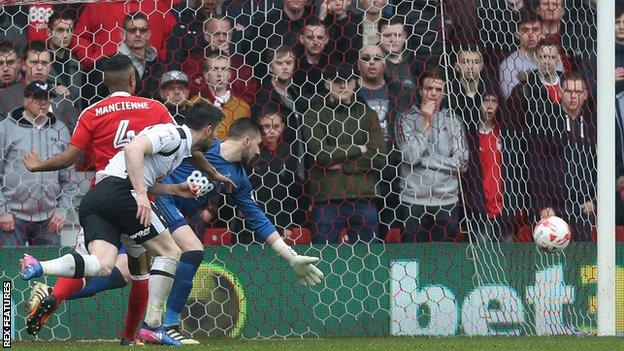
<point x="410" y="145"/>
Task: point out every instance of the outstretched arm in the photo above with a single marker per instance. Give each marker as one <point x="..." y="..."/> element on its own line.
<point x="303" y="266"/>
<point x="68" y="157"/>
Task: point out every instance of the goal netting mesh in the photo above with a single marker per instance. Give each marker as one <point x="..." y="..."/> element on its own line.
<point x="411" y="145"/>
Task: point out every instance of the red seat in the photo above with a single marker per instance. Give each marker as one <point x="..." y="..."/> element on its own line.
<point x="393" y="236"/>
<point x="299" y="236"/>
<point x="524" y="234"/>
<point x="619" y="233"/>
<point x="217" y="236"/>
<point x="343" y="238"/>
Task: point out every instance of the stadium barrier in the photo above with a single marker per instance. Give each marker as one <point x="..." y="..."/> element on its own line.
<point x="369" y="290"/>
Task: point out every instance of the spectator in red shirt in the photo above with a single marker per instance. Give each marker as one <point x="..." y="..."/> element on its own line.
<point x="485" y="189"/>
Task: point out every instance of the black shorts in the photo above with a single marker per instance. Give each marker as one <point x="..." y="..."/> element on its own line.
<point x="109" y="209"/>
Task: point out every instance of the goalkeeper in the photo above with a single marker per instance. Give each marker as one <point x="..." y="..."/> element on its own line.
<point x="228" y="157"/>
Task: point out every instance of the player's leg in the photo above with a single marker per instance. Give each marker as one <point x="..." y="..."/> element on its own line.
<point x="44" y="300"/>
<point x="101" y="236"/>
<point x="118" y="278"/>
<point x="166" y="257"/>
<point x="79" y="266"/>
<point x="138" y="268"/>
<point x="190" y="259"/>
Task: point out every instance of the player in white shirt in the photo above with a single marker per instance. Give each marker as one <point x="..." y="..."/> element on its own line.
<point x="119" y="204"/>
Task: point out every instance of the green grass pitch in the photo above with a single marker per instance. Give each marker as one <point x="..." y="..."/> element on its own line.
<point x="383" y="343"/>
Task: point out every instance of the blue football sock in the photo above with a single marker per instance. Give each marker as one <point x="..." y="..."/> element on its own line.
<point x="182" y="285"/>
<point x="95" y="285"/>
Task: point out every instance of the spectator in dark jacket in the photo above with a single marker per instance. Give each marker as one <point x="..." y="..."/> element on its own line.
<point x="469" y="86"/>
<point x="400" y="63"/>
<point x="423" y="21"/>
<point x="10" y="88"/>
<point x="346" y="149"/>
<point x="279" y="90"/>
<point x="343" y="28"/>
<point x="280" y="26"/>
<point x="541" y="90"/>
<point x="136" y="33"/>
<point x="562" y="159"/>
<point x="312" y="58"/>
<point x="66" y="71"/>
<point x="388" y="100"/>
<point x="273" y="176"/>
<point x="187" y="36"/>
<point x="217" y="39"/>
<point x="174" y="93"/>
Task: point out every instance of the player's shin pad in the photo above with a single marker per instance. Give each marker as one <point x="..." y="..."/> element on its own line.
<point x="160" y="282"/>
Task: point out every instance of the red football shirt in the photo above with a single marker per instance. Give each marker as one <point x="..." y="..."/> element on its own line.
<point x="491" y="158"/>
<point x="106" y="126"/>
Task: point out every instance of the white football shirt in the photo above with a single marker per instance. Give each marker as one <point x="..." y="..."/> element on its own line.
<point x="169" y="148"/>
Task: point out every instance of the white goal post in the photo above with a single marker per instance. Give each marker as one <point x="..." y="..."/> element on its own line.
<point x="606" y="168"/>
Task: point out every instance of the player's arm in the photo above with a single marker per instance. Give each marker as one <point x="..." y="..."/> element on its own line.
<point x="134" y="154"/>
<point x="303" y="266"/>
<point x="201" y="163"/>
<point x="186" y="189"/>
<point x="68" y="157"/>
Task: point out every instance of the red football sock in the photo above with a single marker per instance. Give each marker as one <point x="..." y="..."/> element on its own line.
<point x="137" y="304"/>
<point x="65" y="287"/>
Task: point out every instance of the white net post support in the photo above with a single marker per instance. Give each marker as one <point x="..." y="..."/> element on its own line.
<point x="606" y="168"/>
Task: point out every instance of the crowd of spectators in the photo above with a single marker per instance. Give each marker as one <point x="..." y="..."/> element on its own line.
<point x="444" y="121"/>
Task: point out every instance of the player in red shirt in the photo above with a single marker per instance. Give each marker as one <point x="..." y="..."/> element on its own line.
<point x="105" y="127"/>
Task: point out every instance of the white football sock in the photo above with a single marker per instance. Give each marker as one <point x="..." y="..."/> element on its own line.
<point x="65" y="266"/>
<point x="160" y="282"/>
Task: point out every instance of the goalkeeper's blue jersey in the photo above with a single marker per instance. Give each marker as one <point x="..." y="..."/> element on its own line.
<point x="242" y="194"/>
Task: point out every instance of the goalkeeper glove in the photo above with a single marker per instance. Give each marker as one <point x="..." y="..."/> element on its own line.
<point x="303" y="266"/>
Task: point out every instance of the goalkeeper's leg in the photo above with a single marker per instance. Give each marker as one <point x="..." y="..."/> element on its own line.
<point x="190" y="259"/>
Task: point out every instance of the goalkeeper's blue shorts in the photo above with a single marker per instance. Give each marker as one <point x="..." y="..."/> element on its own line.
<point x="172" y="217"/>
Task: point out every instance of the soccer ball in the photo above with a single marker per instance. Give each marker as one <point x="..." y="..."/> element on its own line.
<point x="551" y="234"/>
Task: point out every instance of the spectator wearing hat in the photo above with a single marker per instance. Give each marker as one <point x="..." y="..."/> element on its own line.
<point x="36" y="64"/>
<point x="174" y="93"/>
<point x="218" y="72"/>
<point x="346" y="150"/>
<point x="33" y="208"/>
